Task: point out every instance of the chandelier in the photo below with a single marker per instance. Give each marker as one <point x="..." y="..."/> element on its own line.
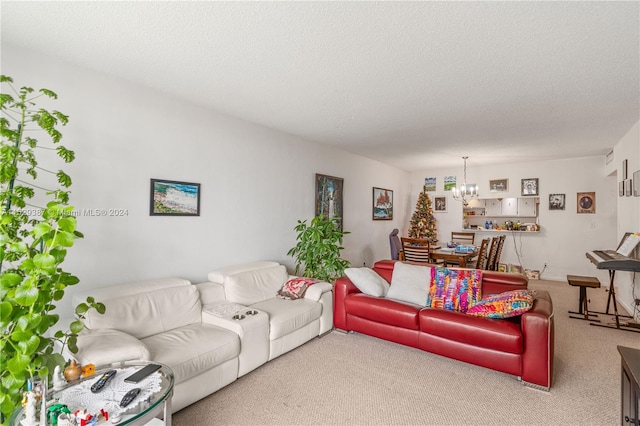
<point x="466" y="191"/>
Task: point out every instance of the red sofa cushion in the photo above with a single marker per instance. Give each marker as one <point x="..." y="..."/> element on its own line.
<point x="386" y="311"/>
<point x="499" y="335"/>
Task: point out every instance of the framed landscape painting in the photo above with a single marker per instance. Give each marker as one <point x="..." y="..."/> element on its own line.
<point x="382" y="204"/>
<point x="329" y="197"/>
<point x="174" y="198"/>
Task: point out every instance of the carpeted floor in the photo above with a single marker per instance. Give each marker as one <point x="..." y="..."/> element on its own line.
<point x="353" y="379"/>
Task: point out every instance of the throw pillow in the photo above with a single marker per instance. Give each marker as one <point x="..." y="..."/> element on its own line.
<point x="410" y="283"/>
<point x="368" y="281"/>
<point x="454" y="289"/>
<point x="503" y="305"/>
<point x="295" y="288"/>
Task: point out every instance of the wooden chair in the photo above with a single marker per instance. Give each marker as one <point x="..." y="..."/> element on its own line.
<point x="493" y="252"/>
<point x="415" y="250"/>
<point x="481" y="261"/>
<point x="464" y="238"/>
<point x="499" y="251"/>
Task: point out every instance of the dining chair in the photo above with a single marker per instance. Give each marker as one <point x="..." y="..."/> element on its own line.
<point x="415" y="250"/>
<point x="464" y="238"/>
<point x="395" y="245"/>
<point x="501" y="240"/>
<point x="481" y="262"/>
<point x="493" y="252"/>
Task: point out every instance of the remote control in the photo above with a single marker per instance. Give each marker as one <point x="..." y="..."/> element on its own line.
<point x="142" y="373"/>
<point x="129" y="396"/>
<point x="102" y="381"/>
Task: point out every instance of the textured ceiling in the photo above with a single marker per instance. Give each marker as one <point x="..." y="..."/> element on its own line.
<point x="414" y="84"/>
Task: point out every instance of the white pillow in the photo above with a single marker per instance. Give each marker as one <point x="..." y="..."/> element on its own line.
<point x="410" y="283"/>
<point x="368" y="281"/>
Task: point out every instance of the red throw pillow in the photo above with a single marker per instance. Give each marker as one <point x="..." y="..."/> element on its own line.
<point x="295" y="288"/>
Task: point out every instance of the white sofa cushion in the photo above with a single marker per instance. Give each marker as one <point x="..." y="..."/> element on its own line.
<point x="368" y="281"/>
<point x="105" y="293"/>
<point x="193" y="349"/>
<point x="286" y="316"/>
<point x="410" y="283"/>
<point x="249" y="287"/>
<point x="219" y="275"/>
<point x="145" y="314"/>
<point x="103" y="347"/>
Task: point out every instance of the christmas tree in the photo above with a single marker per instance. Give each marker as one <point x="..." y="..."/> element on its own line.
<point x="423" y="223"/>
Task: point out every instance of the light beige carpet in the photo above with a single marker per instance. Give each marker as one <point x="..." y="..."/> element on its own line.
<point x="352" y="379"/>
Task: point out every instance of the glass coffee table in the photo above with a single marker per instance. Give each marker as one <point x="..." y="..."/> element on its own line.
<point x="154" y="399"/>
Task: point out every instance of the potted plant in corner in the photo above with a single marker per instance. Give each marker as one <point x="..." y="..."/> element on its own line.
<point x="34" y="239"/>
<point x="317" y="251"/>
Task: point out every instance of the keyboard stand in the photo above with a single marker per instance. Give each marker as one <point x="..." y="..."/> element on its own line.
<point x="612" y="296"/>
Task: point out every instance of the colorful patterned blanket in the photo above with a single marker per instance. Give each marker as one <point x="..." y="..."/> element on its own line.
<point x="454" y="289"/>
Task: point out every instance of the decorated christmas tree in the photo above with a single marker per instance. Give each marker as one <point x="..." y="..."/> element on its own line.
<point x="423" y="223"/>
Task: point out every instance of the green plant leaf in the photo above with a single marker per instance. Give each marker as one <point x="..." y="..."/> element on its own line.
<point x="44" y="261"/>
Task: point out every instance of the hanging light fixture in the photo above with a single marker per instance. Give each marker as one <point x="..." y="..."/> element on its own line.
<point x="466" y="191"/>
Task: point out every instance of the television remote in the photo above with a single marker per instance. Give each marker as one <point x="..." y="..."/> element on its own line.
<point x="102" y="381"/>
<point x="142" y="373"/>
<point x="129" y="396"/>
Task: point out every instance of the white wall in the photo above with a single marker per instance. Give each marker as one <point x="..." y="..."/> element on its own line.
<point x="256" y="182"/>
<point x="565" y="236"/>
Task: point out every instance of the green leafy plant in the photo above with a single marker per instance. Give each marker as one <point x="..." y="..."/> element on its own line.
<point x="33" y="244"/>
<point x="318" y="249"/>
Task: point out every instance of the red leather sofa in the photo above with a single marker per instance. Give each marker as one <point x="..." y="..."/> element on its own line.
<point x="521" y="346"/>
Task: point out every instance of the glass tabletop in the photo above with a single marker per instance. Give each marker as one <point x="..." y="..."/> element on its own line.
<point x="155" y="390"/>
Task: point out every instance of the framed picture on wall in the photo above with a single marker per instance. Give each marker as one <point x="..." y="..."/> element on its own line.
<point x="636" y="183"/>
<point x="530" y="186"/>
<point x="430" y="184"/>
<point x="628" y="187"/>
<point x="586" y="202"/>
<point x="621" y="188"/>
<point x="556" y="201"/>
<point x="440" y="204"/>
<point x="329" y="197"/>
<point x="499" y="185"/>
<point x="382" y="208"/>
<point x="174" y="198"/>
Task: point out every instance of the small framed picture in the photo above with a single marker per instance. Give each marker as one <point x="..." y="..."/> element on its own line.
<point x="499" y="185"/>
<point x="621" y="188"/>
<point x="430" y="184"/>
<point x="625" y="169"/>
<point x="530" y="186"/>
<point x="636" y="183"/>
<point x="440" y="204"/>
<point x="174" y="198"/>
<point x="382" y="204"/>
<point x="628" y="187"/>
<point x="556" y="201"/>
<point x="586" y="202"/>
<point x="329" y="198"/>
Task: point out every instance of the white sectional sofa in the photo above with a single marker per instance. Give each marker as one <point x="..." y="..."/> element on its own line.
<point x="210" y="333"/>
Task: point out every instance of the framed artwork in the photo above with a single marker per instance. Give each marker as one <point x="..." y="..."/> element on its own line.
<point x="430" y="184"/>
<point x="586" y="202"/>
<point x="174" y="198"/>
<point x="628" y="187"/>
<point x="499" y="185"/>
<point x="636" y="183"/>
<point x="625" y="169"/>
<point x="440" y="204"/>
<point x="449" y="183"/>
<point x="530" y="186"/>
<point x="556" y="201"/>
<point x="621" y="188"/>
<point x="382" y="204"/>
<point x="329" y="197"/>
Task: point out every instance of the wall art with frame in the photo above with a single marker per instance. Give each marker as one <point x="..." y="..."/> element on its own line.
<point x="557" y="201"/>
<point x="440" y="204"/>
<point x="586" y="202"/>
<point x="529" y="186"/>
<point x="382" y="208"/>
<point x="174" y="198"/>
<point x="636" y="183"/>
<point x="499" y="185"/>
<point x="329" y="190"/>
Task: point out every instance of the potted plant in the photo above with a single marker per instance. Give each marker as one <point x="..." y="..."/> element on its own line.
<point x="318" y="249"/>
<point x="34" y="239"/>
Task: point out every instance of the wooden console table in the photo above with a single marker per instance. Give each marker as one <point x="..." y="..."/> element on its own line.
<point x="630" y="389"/>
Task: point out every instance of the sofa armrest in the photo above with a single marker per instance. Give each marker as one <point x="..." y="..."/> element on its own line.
<point x="102" y="347"/>
<point x="538" y="332"/>
<point x="314" y="292"/>
<point x="343" y="287"/>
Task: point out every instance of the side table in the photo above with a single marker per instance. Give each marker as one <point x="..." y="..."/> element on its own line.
<point x="158" y="403"/>
<point x="630" y="389"/>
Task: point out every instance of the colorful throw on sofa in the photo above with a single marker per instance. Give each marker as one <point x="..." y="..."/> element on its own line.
<point x="454" y="289"/>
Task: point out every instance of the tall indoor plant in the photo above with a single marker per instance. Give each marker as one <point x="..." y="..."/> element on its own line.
<point x="34" y="239"/>
<point x="317" y="251"/>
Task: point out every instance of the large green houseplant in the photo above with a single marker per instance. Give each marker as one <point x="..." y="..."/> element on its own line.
<point x="34" y="239"/>
<point x="317" y="251"/>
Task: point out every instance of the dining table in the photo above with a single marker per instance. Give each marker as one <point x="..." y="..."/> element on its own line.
<point x="452" y="256"/>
